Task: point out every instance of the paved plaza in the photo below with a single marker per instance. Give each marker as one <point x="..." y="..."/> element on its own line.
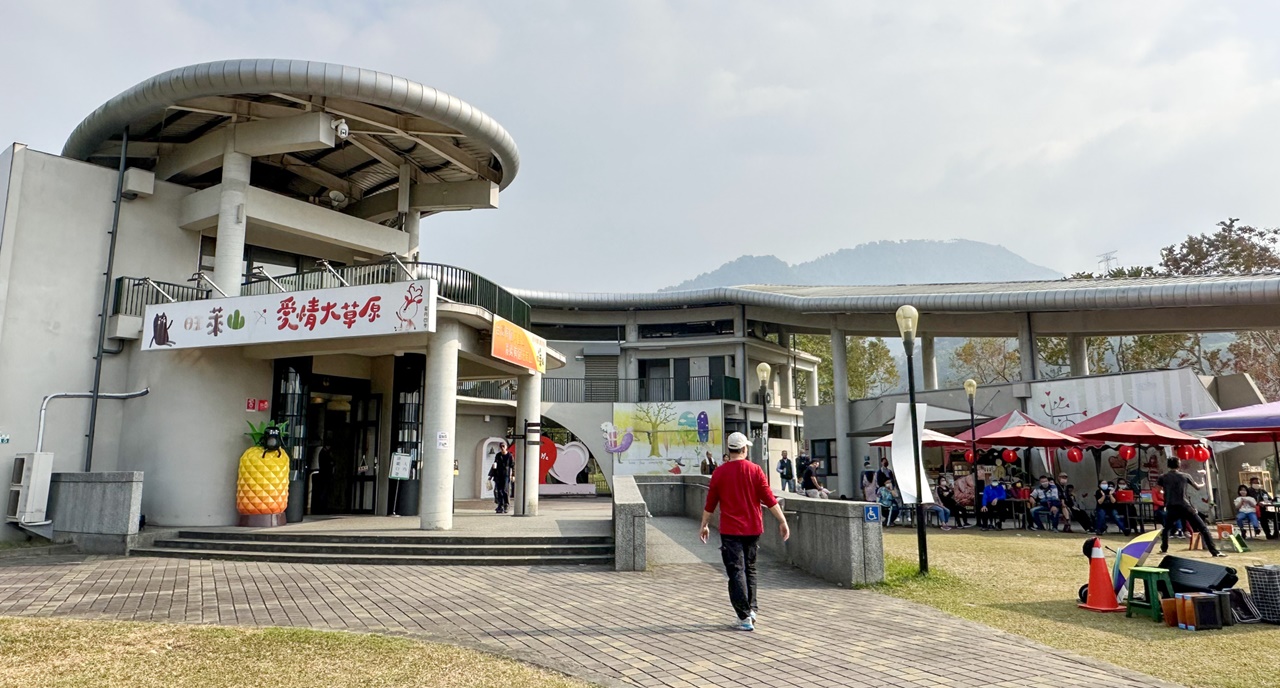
<point x="665" y="627"/>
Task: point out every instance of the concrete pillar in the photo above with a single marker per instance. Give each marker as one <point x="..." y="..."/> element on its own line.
<point x="928" y="362"/>
<point x="813" y="393"/>
<point x="1028" y="352"/>
<point x="412" y="218"/>
<point x="1078" y="351"/>
<point x="528" y="409"/>
<point x="844" y="443"/>
<point x="786" y="387"/>
<point x="228" y="261"/>
<point x="440" y="413"/>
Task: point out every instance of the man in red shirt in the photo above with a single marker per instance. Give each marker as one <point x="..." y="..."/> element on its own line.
<point x="739" y="487"/>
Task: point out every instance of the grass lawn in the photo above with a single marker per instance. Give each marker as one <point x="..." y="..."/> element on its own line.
<point x="1026" y="583"/>
<point x="65" y="652"/>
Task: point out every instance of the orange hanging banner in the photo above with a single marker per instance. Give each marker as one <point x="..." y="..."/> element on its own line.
<point x="514" y="344"/>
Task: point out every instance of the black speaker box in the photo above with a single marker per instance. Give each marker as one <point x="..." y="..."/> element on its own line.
<point x="1195" y="575"/>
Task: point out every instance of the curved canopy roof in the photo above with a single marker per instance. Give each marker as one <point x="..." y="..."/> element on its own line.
<point x="392" y="120"/>
<point x="1056" y="295"/>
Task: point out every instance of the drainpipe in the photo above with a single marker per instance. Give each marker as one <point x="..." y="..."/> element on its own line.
<point x="106" y="303"/>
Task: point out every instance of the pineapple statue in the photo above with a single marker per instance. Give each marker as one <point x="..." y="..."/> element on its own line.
<point x="262" y="483"/>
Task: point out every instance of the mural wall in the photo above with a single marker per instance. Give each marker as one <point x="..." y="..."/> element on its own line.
<point x="664" y="437"/>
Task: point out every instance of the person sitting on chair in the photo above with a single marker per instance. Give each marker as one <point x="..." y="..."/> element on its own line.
<point x="1107" y="509"/>
<point x="1247" y="512"/>
<point x="1266" y="506"/>
<point x="994" y="500"/>
<point x="888" y="504"/>
<point x="1073" y="510"/>
<point x="947" y="497"/>
<point x="1048" y="501"/>
<point x="944" y="514"/>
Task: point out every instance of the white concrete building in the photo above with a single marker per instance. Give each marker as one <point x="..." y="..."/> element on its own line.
<point x="219" y="235"/>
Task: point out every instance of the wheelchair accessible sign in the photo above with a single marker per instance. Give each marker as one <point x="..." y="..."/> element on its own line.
<point x="871" y="513"/>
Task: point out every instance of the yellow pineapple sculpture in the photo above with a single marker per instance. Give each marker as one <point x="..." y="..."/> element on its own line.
<point x="262" y="484"/>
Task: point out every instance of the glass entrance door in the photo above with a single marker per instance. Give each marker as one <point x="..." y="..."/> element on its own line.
<point x="366" y="418"/>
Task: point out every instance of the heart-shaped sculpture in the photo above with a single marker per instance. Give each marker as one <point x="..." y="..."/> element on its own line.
<point x="573" y="457"/>
<point x="546" y="457"/>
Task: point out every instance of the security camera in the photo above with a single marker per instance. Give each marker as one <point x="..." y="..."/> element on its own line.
<point x="340" y="126"/>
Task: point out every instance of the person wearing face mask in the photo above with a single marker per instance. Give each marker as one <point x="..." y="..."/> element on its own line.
<point x="1266" y="506"/>
<point x="1048" y="501"/>
<point x="1074" y="511"/>
<point x="1106" y="509"/>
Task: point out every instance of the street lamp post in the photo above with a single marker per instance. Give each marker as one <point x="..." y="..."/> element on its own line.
<point x="908" y="320"/>
<point x="763" y="371"/>
<point x="971" y="391"/>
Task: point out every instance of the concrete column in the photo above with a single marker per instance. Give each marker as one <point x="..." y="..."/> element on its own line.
<point x="1078" y="352"/>
<point x="440" y="412"/>
<point x="528" y="409"/>
<point x="928" y="362"/>
<point x="412" y="218"/>
<point x="228" y="261"/>
<point x="813" y="393"/>
<point x="844" y="443"/>
<point x="786" y="388"/>
<point x="1028" y="352"/>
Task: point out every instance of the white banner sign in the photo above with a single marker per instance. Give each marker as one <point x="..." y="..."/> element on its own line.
<point x="401" y="466"/>
<point x="904" y="452"/>
<point x="396" y="308"/>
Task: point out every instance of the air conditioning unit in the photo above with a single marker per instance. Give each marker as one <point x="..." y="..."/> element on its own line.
<point x="29" y="489"/>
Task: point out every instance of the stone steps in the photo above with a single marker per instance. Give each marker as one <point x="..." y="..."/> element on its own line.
<point x="312" y="548"/>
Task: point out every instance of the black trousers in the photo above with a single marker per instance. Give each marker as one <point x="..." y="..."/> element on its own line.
<point x="1191" y="517"/>
<point x="739" y="555"/>
<point x="501" y="496"/>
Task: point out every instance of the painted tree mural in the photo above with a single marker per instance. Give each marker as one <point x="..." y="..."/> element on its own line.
<point x="655" y="416"/>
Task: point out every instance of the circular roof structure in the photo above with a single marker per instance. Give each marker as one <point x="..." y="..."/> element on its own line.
<point x="393" y="121"/>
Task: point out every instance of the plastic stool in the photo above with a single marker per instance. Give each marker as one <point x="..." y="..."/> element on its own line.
<point x="1151" y="578"/>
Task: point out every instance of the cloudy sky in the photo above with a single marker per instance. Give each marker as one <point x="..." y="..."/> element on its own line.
<point x="661" y="139"/>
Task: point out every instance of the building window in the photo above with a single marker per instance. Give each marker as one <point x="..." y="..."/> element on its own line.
<point x="825" y="452"/>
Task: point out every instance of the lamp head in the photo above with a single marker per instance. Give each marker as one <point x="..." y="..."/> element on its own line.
<point x="762" y="371"/>
<point x="908" y="320"/>
<point x="971" y="387"/>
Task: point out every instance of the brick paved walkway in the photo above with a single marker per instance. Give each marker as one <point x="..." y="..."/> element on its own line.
<point x="666" y="627"/>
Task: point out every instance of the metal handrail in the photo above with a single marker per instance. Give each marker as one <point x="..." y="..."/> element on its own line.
<point x="456" y="285"/>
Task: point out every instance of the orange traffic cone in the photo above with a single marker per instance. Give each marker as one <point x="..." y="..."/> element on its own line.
<point x="1102" y="594"/>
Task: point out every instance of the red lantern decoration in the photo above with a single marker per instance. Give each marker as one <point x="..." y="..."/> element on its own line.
<point x="968" y="455"/>
<point x="1202" y="453"/>
<point x="1009" y="456"/>
<point x="1127" y="452"/>
<point x="1074" y="455"/>
<point x="1185" y="452"/>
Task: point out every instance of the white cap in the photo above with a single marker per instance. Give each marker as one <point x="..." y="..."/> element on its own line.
<point x="737" y="440"/>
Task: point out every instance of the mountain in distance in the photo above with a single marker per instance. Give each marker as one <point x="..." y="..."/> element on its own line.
<point x="915" y="261"/>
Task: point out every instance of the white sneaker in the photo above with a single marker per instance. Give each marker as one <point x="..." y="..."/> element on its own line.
<point x="752" y="616"/>
<point x="745" y="624"/>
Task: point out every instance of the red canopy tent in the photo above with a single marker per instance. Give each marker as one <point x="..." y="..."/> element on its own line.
<point x="1139" y="431"/>
<point x="1111" y="416"/>
<point x="1011" y="419"/>
<point x="1028" y="435"/>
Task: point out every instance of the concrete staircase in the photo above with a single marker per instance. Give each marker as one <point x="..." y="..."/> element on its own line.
<point x="433" y="550"/>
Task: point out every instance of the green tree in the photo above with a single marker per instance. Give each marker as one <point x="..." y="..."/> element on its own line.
<point x="1233" y="249"/>
<point x="987" y="360"/>
<point x="872" y="369"/>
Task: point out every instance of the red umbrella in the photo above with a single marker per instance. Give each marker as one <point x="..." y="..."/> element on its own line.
<point x="1140" y="431"/>
<point x="928" y="439"/>
<point x="1029" y="435"/>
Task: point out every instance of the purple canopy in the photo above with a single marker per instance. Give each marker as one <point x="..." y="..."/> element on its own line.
<point x="1256" y="417"/>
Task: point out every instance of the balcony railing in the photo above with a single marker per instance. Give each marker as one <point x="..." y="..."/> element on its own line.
<point x="134" y="294"/>
<point x="608" y="390"/>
